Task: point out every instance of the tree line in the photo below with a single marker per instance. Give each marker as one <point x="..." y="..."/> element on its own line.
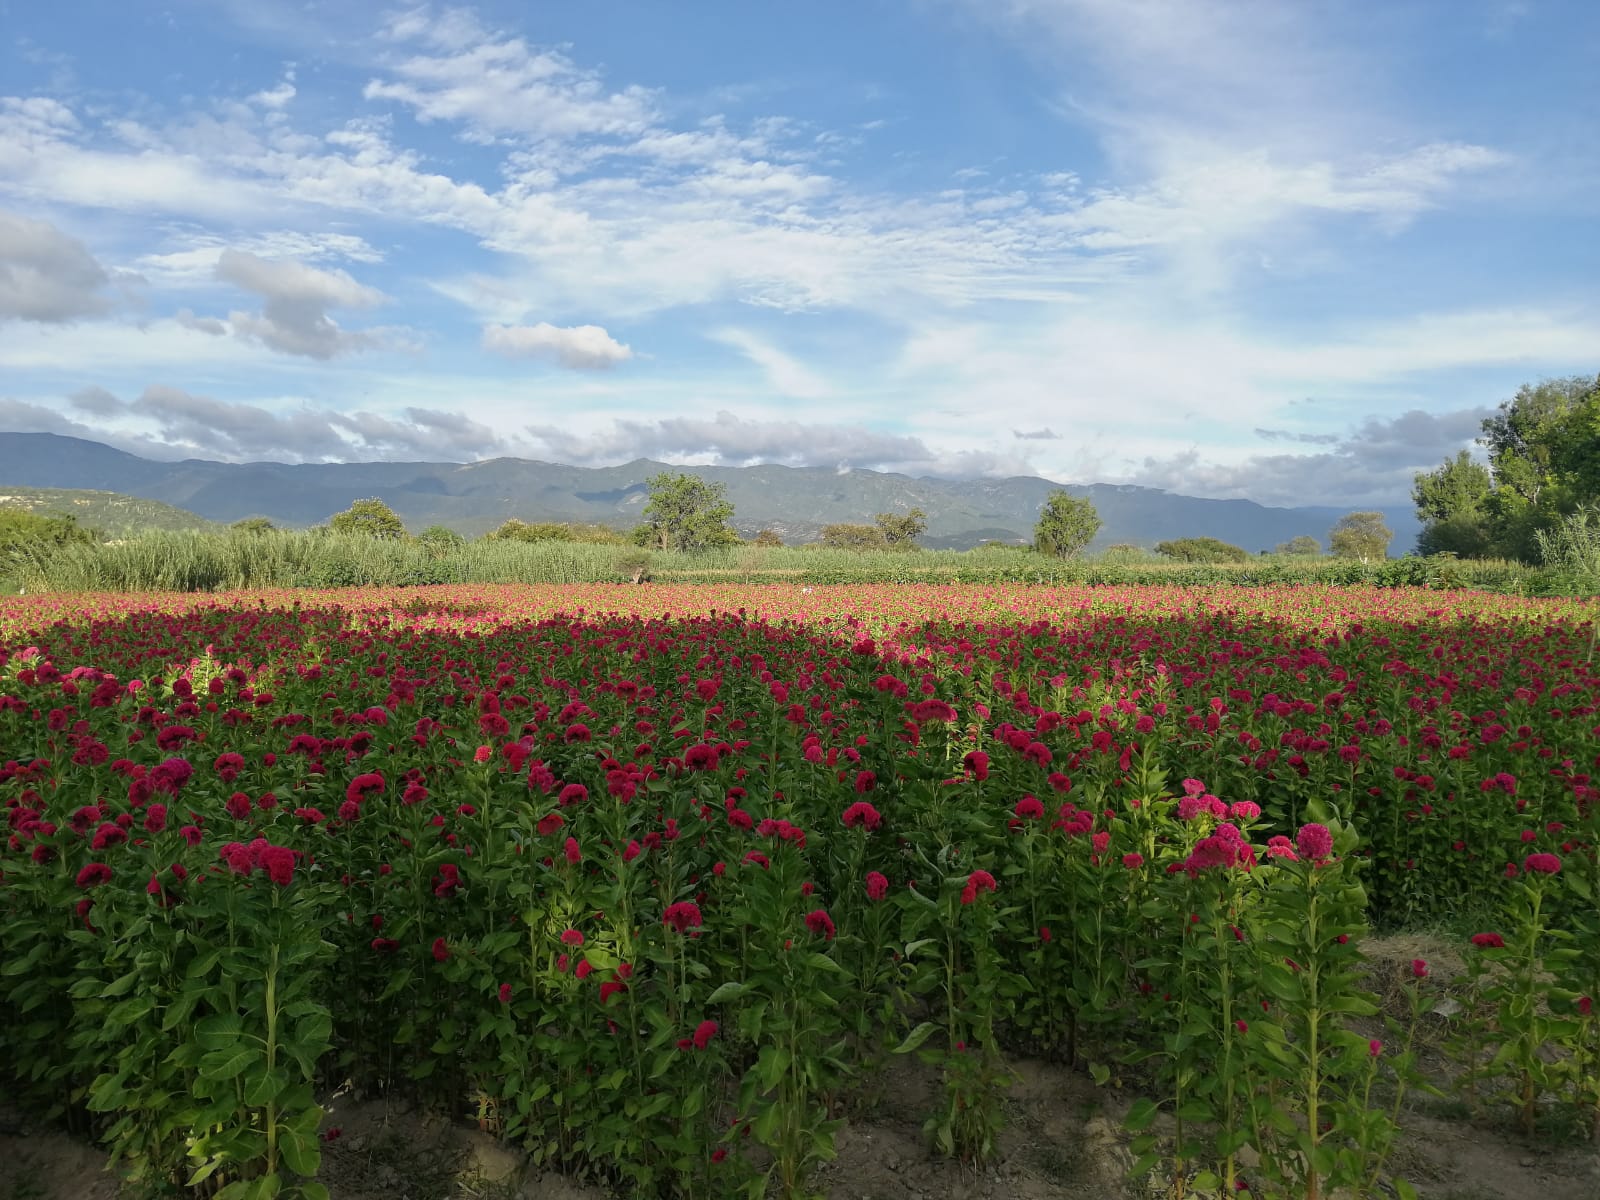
<point x="687" y="513"/>
<point x="1540" y="470"/>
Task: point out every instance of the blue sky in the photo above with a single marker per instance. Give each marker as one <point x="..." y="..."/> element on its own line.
<point x="1287" y="251"/>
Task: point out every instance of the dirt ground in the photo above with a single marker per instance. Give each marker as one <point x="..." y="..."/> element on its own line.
<point x="1064" y="1142"/>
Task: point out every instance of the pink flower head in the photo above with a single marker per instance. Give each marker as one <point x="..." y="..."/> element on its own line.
<point x="978" y="881"/>
<point x="703" y="1033"/>
<point x="571" y="937"/>
<point x="682" y="916"/>
<point x="505" y="993"/>
<point x="1029" y="808"/>
<point x="877" y="885"/>
<point x="1314" y="842"/>
<point x="861" y="815"/>
<point x="818" y="921"/>
<point x="1488" y="941"/>
<point x="1419" y="968"/>
<point x="1542" y="864"/>
<point x="1193" y="787"/>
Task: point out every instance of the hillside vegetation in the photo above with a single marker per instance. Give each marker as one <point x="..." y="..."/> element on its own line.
<point x="111" y="513"/>
<point x="195" y="562"/>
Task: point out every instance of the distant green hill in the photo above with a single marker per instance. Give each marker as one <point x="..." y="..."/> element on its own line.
<point x="110" y="512"/>
<point x="794" y="502"/>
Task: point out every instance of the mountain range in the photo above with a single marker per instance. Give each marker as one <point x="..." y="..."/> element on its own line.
<point x="794" y="502"/>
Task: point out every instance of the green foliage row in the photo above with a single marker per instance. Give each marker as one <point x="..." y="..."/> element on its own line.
<point x="1543" y="452"/>
<point x="191" y="562"/>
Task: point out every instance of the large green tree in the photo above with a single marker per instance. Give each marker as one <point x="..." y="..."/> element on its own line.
<point x="845" y="536"/>
<point x="1543" y="450"/>
<point x="1452" y="504"/>
<point x="901" y="530"/>
<point x="370" y="518"/>
<point x="1067" y="524"/>
<point x="1360" y="535"/>
<point x="686" y="513"/>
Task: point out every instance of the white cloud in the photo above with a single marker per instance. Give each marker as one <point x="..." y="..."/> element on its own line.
<point x="786" y="375"/>
<point x="46" y="275"/>
<point x="496" y="84"/>
<point x="293" y="317"/>
<point x="581" y="347"/>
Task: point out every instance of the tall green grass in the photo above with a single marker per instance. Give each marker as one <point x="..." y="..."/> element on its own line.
<point x="208" y="562"/>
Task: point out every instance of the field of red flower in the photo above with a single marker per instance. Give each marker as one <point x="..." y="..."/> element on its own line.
<point x="648" y="879"/>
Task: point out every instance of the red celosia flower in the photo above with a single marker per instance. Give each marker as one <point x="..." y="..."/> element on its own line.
<point x="610" y="989"/>
<point x="571" y="937"/>
<point x="278" y="863"/>
<point x="1542" y="864"/>
<point x="505" y="993"/>
<point x="1374" y="1047"/>
<point x="977" y="762"/>
<point x="1419" y="968"/>
<point x="1314" y="842"/>
<point x="549" y="824"/>
<point x="1029" y="808"/>
<point x="818" y="921"/>
<point x="1488" y="941"/>
<point x="441" y="950"/>
<point x="682" y="916"/>
<point x="570" y="850"/>
<point x="861" y="814"/>
<point x="703" y="1033"/>
<point x="1133" y="861"/>
<point x="877" y="885"/>
<point x="978" y="881"/>
<point x="385" y="945"/>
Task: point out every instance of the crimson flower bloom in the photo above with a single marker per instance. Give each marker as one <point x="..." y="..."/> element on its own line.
<point x="877" y="885"/>
<point x="548" y="825"/>
<point x="93" y="875"/>
<point x="1029" y="808"/>
<point x="818" y="921"/>
<point x="861" y="814"/>
<point x="505" y="993"/>
<point x="278" y="863"/>
<point x="703" y="1033"/>
<point x="441" y="950"/>
<point x="570" y="850"/>
<point x="1419" y="968"/>
<point x="977" y="762"/>
<point x="571" y="937"/>
<point x="1314" y="842"/>
<point x="978" y="881"/>
<point x="1542" y="864"/>
<point x="1488" y="941"/>
<point x="610" y="989"/>
<point x="1133" y="861"/>
<point x="682" y="916"/>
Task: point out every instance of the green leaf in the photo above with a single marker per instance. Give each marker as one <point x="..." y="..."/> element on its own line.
<point x="228" y="1064"/>
<point x="731" y="990"/>
<point x="915" y="1038"/>
<point x="1140" y="1115"/>
<point x="823" y="963"/>
<point x="300" y="1153"/>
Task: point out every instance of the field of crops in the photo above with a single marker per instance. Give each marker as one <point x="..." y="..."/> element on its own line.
<point x="650" y="880"/>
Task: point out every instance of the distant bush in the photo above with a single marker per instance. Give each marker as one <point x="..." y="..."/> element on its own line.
<point x="1202" y="550"/>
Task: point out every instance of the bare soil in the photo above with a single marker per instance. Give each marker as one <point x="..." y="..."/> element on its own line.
<point x="1064" y="1141"/>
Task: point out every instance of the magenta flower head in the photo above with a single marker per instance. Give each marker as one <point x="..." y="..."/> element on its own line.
<point x="1542" y="864"/>
<point x="1314" y="842"/>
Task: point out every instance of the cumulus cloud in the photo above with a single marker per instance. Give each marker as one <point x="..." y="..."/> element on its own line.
<point x="46" y="275"/>
<point x="295" y="299"/>
<point x="1287" y="435"/>
<point x="168" y="422"/>
<point x="497" y="85"/>
<point x="95" y="401"/>
<point x="730" y="440"/>
<point x="1036" y="435"/>
<point x="578" y="347"/>
<point x="1375" y="463"/>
